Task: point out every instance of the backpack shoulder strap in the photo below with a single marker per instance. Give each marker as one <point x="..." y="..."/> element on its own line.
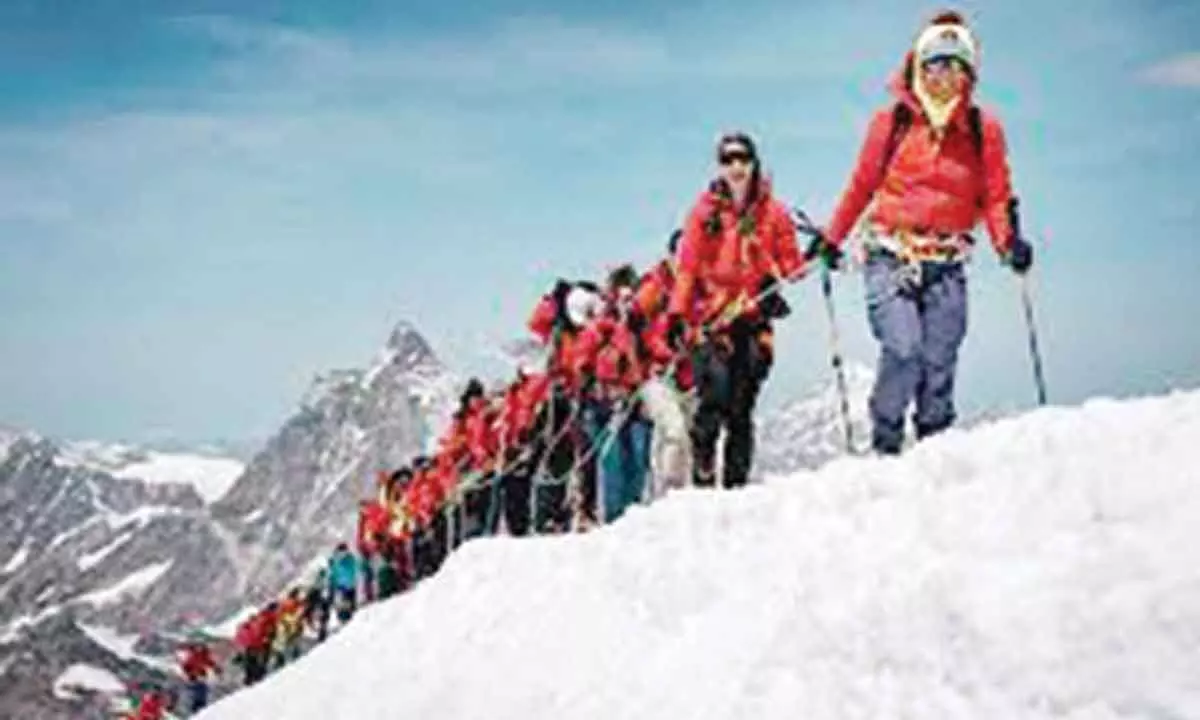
<point x="902" y="120"/>
<point x="975" y="125"/>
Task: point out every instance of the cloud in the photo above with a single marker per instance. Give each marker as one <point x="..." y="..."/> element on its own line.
<point x="1179" y="71"/>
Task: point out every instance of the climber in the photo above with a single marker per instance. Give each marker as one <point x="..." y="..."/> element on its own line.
<point x="343" y="582"/>
<point x="197" y="665"/>
<point x="738" y="246"/>
<point x="609" y="354"/>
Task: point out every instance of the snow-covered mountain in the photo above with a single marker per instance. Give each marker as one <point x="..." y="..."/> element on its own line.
<point x="210" y="476"/>
<point x="809" y="432"/>
<point x="300" y="495"/>
<point x="120" y="542"/>
<point x="1040" y="566"/>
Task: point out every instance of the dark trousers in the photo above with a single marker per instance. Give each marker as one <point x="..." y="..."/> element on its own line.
<point x="730" y="370"/>
<point x="554" y="458"/>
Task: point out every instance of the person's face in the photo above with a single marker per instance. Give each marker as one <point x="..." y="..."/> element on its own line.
<point x="944" y="78"/>
<point x="737" y="164"/>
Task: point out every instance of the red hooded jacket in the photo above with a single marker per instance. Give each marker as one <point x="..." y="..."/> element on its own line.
<point x="932" y="186"/>
<point x="723" y="271"/>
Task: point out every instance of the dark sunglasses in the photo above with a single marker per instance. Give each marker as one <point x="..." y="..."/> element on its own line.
<point x="943" y="64"/>
<point x="731" y="156"/>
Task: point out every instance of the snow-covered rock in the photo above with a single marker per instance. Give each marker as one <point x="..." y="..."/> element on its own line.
<point x="1041" y="566"/>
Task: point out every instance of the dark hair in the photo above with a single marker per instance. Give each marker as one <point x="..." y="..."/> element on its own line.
<point x="673" y="243"/>
<point x="747" y="142"/>
<point x="739" y="138"/>
<point x="623" y="276"/>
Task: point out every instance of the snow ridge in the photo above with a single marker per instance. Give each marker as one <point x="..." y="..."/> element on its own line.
<point x="1035" y="567"/>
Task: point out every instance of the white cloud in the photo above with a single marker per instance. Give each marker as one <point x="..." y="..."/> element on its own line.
<point x="1179" y="71"/>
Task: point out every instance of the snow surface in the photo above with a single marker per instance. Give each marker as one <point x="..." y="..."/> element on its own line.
<point x="87" y="561"/>
<point x="117" y="643"/>
<point x="211" y="477"/>
<point x="132" y="584"/>
<point x="1043" y="566"/>
<point x="17" y="560"/>
<point x="81" y="676"/>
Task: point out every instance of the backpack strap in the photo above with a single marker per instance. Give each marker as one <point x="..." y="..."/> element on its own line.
<point x="902" y="120"/>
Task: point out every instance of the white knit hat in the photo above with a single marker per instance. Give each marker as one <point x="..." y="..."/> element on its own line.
<point x="947" y="40"/>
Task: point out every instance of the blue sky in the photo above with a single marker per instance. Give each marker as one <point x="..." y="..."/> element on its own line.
<point x="202" y="204"/>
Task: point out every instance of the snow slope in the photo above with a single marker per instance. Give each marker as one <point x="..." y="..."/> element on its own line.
<point x="1039" y="567"/>
<point x="210" y="476"/>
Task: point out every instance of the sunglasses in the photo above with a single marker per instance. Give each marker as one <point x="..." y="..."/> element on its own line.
<point x="730" y="157"/>
<point x="944" y="64"/>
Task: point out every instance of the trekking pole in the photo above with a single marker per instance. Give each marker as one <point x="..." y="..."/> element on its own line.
<point x="1034" y="353"/>
<point x="805" y="225"/>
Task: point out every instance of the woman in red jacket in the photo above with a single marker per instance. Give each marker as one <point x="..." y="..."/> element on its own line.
<point x="933" y="166"/>
<point x="738" y="245"/>
<point x="611" y="356"/>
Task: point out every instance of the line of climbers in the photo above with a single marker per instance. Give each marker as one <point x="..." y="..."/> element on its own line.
<point x="646" y="373"/>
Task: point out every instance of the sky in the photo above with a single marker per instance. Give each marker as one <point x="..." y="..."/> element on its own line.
<point x="204" y="204"/>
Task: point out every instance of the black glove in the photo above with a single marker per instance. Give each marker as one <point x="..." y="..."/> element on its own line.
<point x="1020" y="255"/>
<point x="676" y="329"/>
<point x="827" y="252"/>
<point x="770" y="302"/>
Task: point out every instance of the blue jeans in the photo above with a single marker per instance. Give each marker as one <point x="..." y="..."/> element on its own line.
<point x="920" y="320"/>
<point x="622" y="459"/>
<point x="198" y="692"/>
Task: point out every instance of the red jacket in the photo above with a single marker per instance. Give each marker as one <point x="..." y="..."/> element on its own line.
<point x="522" y="401"/>
<point x="482" y="433"/>
<point x="153" y="706"/>
<point x="197" y="663"/>
<point x="422" y="497"/>
<point x="263" y="633"/>
<point x="447" y="472"/>
<point x="244" y="639"/>
<point x="929" y="187"/>
<point x="718" y="271"/>
<point x="541" y="324"/>
<point x="373" y="518"/>
<point x="608" y="352"/>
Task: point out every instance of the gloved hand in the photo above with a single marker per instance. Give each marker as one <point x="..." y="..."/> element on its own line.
<point x="770" y="302"/>
<point x="676" y="329"/>
<point x="820" y="248"/>
<point x="1020" y="255"/>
